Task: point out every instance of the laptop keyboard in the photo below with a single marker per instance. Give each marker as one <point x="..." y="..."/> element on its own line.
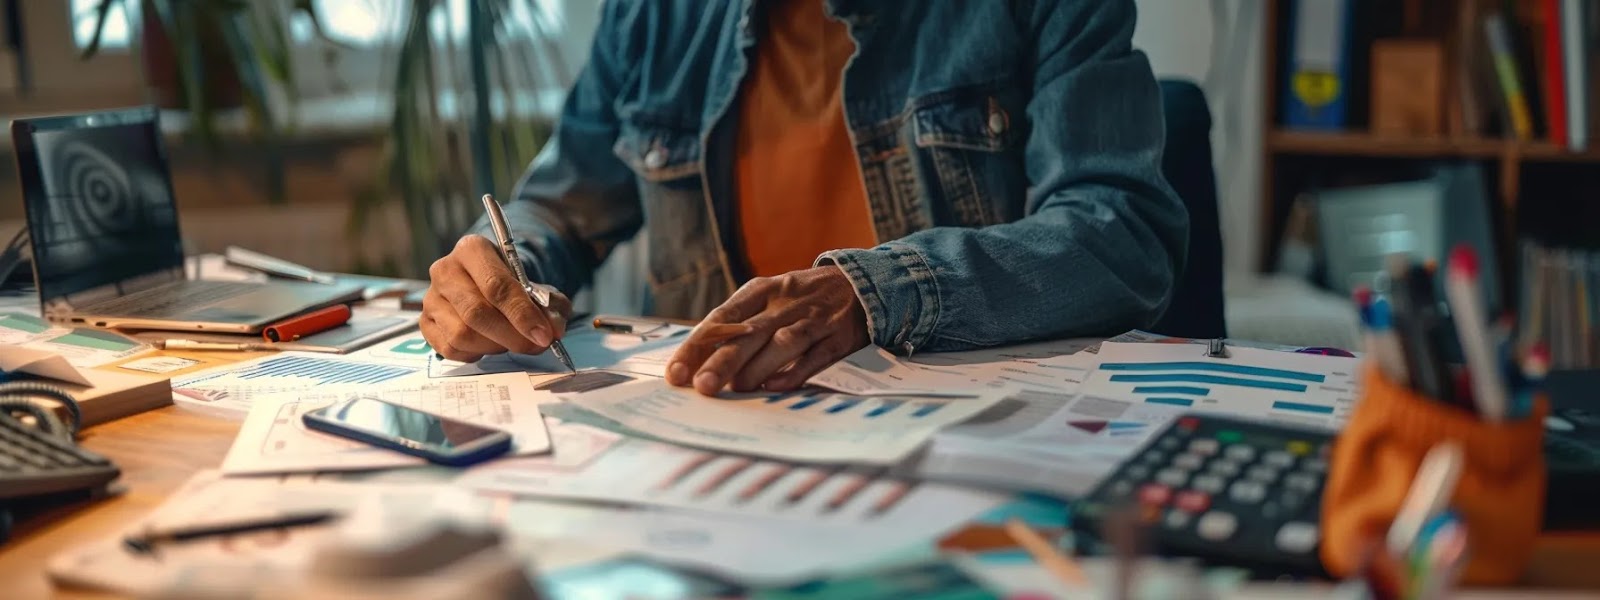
<point x="175" y="298"/>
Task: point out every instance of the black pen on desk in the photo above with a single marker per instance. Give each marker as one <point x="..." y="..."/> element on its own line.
<point x="146" y="543"/>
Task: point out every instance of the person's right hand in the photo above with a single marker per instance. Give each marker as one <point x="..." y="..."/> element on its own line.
<point x="475" y="307"/>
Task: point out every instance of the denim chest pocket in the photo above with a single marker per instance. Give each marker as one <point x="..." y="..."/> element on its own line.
<point x="666" y="162"/>
<point x="658" y="153"/>
<point x="969" y="146"/>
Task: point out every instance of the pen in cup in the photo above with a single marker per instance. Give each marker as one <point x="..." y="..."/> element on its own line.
<point x="508" y="251"/>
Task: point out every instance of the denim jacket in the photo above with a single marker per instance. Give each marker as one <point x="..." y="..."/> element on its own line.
<point x="1010" y="150"/>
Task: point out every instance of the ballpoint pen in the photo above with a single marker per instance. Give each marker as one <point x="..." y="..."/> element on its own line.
<point x="508" y="251"/>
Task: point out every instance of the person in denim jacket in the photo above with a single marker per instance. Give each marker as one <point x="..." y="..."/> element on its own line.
<point x="999" y="161"/>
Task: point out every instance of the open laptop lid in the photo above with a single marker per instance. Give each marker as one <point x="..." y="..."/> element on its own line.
<point x="98" y="198"/>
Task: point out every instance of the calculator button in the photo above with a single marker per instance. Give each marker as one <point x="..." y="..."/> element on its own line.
<point x="1224" y="467"/>
<point x="1154" y="494"/>
<point x="1262" y="474"/>
<point x="1204" y="446"/>
<point x="1240" y="452"/>
<point x="1314" y="465"/>
<point x="1177" y="519"/>
<point x="1155" y="458"/>
<point x="1168" y="443"/>
<point x="1324" y="450"/>
<point x="1120" y="489"/>
<point x="1210" y="484"/>
<point x="1194" y="501"/>
<point x="1136" y="472"/>
<point x="1270" y="510"/>
<point x="1247" y="492"/>
<point x="1172" y="477"/>
<point x="1229" y="436"/>
<point x="1293" y="501"/>
<point x="1299" y="448"/>
<point x="1298" y="537"/>
<point x="1188" y="461"/>
<point x="1278" y="458"/>
<point x="1188" y="423"/>
<point x="1300" y="482"/>
<point x="1217" y="526"/>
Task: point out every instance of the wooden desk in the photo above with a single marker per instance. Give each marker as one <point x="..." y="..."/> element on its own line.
<point x="161" y="449"/>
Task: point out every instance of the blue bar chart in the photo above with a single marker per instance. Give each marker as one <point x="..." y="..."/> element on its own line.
<point x="1306" y="389"/>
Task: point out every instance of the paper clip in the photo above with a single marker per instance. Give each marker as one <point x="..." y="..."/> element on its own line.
<point x="1217" y="348"/>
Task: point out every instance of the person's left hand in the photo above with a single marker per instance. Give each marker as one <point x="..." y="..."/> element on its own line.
<point x="798" y="323"/>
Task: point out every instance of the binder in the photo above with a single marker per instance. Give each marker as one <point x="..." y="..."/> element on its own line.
<point x="1556" y="74"/>
<point x="1575" y="61"/>
<point x="1317" y="85"/>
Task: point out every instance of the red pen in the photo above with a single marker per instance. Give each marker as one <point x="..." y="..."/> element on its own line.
<point x="294" y="328"/>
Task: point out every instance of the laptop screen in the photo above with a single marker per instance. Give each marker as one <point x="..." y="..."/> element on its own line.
<point x="100" y="206"/>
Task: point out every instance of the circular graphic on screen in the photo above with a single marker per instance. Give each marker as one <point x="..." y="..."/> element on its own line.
<point x="102" y="197"/>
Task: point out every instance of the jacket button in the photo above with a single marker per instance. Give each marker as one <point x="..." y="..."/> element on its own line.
<point x="997" y="121"/>
<point x="655" y="158"/>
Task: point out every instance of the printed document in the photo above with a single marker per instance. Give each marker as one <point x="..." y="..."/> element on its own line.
<point x="228" y="391"/>
<point x="1305" y="389"/>
<point x="642" y="354"/>
<point x="594" y="464"/>
<point x="1044" y="366"/>
<point x="804" y="427"/>
<point x="275" y="440"/>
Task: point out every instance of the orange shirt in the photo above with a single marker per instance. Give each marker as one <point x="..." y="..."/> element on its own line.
<point x="799" y="185"/>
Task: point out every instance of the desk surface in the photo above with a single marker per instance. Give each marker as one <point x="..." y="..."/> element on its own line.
<point x="161" y="449"/>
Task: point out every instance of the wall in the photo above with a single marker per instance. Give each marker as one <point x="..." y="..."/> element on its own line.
<point x="1217" y="43"/>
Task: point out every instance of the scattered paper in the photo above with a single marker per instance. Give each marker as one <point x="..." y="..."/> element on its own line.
<point x="1038" y="366"/>
<point x="1041" y="442"/>
<point x="228" y="391"/>
<point x="281" y="555"/>
<point x="82" y="347"/>
<point x="754" y="551"/>
<point x="40" y="362"/>
<point x="159" y="364"/>
<point x="410" y="350"/>
<point x="593" y="464"/>
<point x="1304" y="389"/>
<point x="275" y="440"/>
<point x="803" y="427"/>
<point x="643" y="354"/>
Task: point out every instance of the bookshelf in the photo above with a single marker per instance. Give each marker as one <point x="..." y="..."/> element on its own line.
<point x="1360" y="143"/>
<point x="1471" y="123"/>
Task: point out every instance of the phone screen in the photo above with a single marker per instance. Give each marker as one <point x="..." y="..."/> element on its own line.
<point x="396" y="421"/>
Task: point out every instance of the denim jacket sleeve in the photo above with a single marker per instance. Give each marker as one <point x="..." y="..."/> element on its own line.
<point x="578" y="201"/>
<point x="1103" y="236"/>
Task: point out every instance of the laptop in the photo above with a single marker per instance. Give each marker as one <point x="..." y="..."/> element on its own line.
<point x="104" y="226"/>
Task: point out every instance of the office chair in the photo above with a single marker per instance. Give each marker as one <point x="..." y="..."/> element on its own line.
<point x="1196" y="310"/>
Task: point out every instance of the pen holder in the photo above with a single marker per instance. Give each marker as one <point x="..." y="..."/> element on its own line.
<point x="1500" y="494"/>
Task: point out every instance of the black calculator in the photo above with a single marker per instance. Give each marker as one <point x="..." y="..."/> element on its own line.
<point x="1227" y="491"/>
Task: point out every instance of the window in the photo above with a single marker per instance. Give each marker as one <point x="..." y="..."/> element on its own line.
<point x="117" y="33"/>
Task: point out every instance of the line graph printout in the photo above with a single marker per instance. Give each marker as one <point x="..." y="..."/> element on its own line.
<point x="275" y="440"/>
<point x="803" y="427"/>
<point x="1307" y="389"/>
<point x="231" y="389"/>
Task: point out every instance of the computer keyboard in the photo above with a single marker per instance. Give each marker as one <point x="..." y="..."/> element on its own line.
<point x="34" y="462"/>
<point x="40" y="466"/>
<point x="173" y="298"/>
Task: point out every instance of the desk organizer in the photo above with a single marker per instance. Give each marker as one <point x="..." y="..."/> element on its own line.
<point x="1500" y="495"/>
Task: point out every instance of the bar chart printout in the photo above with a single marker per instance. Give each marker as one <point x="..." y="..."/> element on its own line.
<point x="233" y="387"/>
<point x="1283" y="386"/>
<point x="816" y="427"/>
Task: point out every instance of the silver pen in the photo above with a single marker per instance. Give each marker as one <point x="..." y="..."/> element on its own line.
<point x="508" y="251"/>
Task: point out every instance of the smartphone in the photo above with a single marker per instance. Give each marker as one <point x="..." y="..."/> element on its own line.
<point x="440" y="440"/>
